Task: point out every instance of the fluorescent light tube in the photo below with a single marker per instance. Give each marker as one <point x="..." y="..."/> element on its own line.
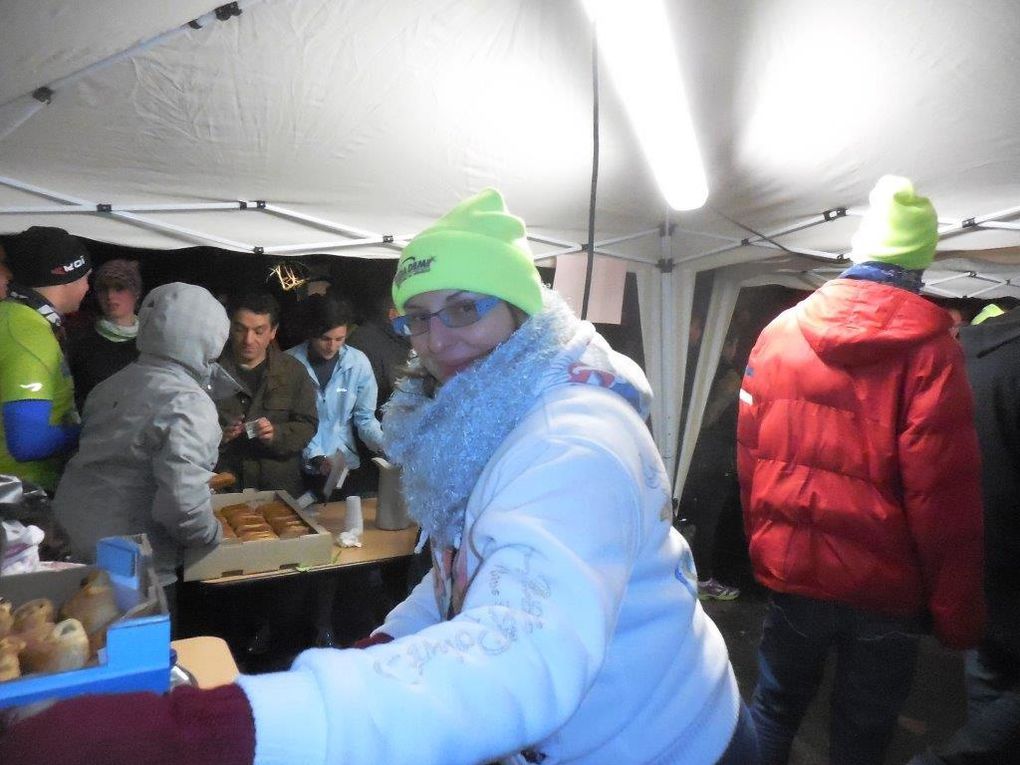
<point x="634" y="41"/>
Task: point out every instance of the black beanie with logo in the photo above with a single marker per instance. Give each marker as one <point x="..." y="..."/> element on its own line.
<point x="44" y="256"/>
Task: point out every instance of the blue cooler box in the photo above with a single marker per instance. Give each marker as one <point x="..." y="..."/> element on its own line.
<point x="137" y="653"/>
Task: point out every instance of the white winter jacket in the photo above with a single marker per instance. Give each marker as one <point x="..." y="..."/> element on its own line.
<point x="568" y="630"/>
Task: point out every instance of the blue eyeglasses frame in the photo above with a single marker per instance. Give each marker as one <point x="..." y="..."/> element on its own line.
<point x="482" y="306"/>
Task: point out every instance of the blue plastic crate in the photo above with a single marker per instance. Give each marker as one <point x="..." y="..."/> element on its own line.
<point x="137" y="653"/>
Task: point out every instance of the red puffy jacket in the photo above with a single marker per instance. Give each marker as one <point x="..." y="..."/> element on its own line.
<point x="858" y="459"/>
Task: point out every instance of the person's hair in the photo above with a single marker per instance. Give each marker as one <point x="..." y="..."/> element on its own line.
<point x="326" y="313"/>
<point x="119" y="273"/>
<point x="256" y="302"/>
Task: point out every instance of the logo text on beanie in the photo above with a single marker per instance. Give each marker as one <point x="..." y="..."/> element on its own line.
<point x="412" y="267"/>
<point x="68" y="268"/>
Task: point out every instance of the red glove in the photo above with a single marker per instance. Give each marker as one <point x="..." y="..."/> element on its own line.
<point x="376" y="639"/>
<point x="185" y="727"/>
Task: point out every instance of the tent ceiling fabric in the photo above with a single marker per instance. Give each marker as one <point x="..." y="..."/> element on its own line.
<point x="377" y="117"/>
<point x="378" y="114"/>
<point x="381" y="115"/>
<point x="42" y="41"/>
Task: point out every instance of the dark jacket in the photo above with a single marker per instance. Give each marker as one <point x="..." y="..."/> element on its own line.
<point x="286" y="398"/>
<point x="858" y="460"/>
<point x="387" y="353"/>
<point x="93" y="358"/>
<point x="992" y="350"/>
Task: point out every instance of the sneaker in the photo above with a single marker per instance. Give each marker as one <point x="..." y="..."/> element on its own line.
<point x="710" y="589"/>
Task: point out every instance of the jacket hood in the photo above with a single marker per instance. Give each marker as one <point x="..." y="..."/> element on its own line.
<point x="854" y="322"/>
<point x="183" y="323"/>
<point x="991" y="334"/>
<point x="587" y="359"/>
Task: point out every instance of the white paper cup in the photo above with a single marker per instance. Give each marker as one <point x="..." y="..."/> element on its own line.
<point x="353" y="519"/>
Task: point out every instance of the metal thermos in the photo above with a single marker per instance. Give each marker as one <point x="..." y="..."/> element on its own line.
<point x="390" y="510"/>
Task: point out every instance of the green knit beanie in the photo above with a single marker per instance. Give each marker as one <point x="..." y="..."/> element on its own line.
<point x="478" y="247"/>
<point x="900" y="227"/>
<point x="990" y="311"/>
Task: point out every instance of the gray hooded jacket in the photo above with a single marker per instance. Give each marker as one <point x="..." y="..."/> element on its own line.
<point x="150" y="436"/>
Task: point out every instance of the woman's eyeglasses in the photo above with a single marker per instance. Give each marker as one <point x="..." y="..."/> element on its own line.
<point x="460" y="314"/>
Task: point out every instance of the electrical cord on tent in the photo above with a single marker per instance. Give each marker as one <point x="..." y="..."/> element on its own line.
<point x="750" y="230"/>
<point x="590" y="266"/>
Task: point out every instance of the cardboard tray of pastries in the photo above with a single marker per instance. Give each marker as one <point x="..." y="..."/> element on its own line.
<point x="262" y="531"/>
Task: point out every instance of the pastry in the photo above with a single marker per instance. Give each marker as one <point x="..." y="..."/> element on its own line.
<point x="33" y="613"/>
<point x="62" y="647"/>
<point x="276" y="510"/>
<point x="245" y="519"/>
<point x="221" y="481"/>
<point x="94" y="606"/>
<point x="257" y="536"/>
<point x="230" y="511"/>
<point x="253" y="525"/>
<point x="280" y="523"/>
<point x="6" y="617"/>
<point x="10" y="665"/>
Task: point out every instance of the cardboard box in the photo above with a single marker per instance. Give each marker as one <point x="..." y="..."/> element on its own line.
<point x="234" y="556"/>
<point x="137" y="653"/>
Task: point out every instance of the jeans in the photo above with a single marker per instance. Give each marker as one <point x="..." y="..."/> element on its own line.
<point x="743" y="746"/>
<point x="875" y="658"/>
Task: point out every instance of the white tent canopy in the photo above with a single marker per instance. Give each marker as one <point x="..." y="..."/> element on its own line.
<point x="295" y="126"/>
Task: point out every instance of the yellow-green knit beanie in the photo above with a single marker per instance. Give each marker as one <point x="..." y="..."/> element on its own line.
<point x="900" y="227"/>
<point x="478" y="247"/>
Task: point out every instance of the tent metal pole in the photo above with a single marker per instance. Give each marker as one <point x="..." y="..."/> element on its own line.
<point x="183" y="232"/>
<point x="1004" y="225"/>
<point x="285" y="249"/>
<point x="40" y="191"/>
<point x="799" y="250"/>
<point x="184" y="207"/>
<point x="938" y="292"/>
<point x="981" y="221"/>
<point x="1009" y="212"/>
<point x="755" y="239"/>
<point x="625" y="256"/>
<point x="129" y="217"/>
<point x="42" y="210"/>
<point x="329" y="225"/>
<point x="794" y="227"/>
<point x="30" y="108"/>
<point x="124" y="208"/>
<point x="706" y="235"/>
<point x="990" y="287"/>
<point x="557" y="242"/>
<point x="556" y="253"/>
<point x="626" y="237"/>
<point x="700" y="255"/>
<point x="144" y="45"/>
<point x="954" y="277"/>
